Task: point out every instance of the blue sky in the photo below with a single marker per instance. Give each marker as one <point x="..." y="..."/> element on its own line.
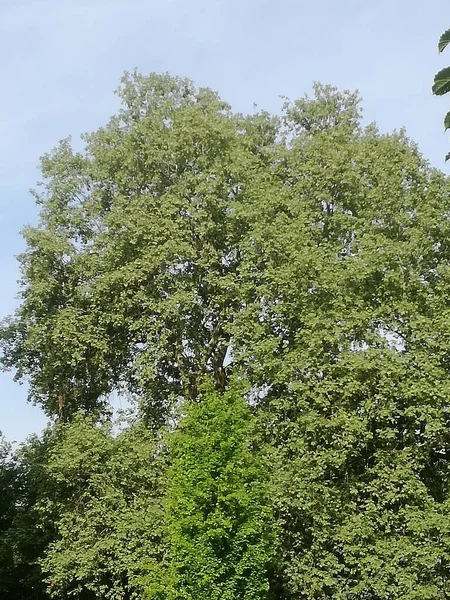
<point x="62" y="59"/>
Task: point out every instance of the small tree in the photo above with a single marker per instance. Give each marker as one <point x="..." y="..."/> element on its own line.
<point x="218" y="519"/>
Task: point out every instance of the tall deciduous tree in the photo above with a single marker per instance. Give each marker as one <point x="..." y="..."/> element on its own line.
<point x="130" y="278"/>
<point x="351" y="349"/>
<point x="308" y="251"/>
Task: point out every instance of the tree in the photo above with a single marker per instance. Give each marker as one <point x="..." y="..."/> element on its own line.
<point x="219" y="522"/>
<point x="441" y="84"/>
<point x="105" y="498"/>
<point x="345" y="336"/>
<point x="310" y="252"/>
<point x="24" y="533"/>
<point x="129" y="280"/>
<point x="7" y="505"/>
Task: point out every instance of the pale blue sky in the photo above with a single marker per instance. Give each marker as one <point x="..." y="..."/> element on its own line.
<point x="62" y="59"/>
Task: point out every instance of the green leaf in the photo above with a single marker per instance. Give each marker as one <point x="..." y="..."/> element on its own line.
<point x="447" y="121"/>
<point x="442" y="82"/>
<point x="444" y="40"/>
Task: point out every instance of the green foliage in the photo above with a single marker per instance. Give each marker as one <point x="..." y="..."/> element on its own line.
<point x="7" y="499"/>
<point x="314" y="254"/>
<point x="219" y="523"/>
<point x="24" y="534"/>
<point x="441" y="83"/>
<point x="106" y="501"/>
<point x="129" y="280"/>
<point x="346" y="330"/>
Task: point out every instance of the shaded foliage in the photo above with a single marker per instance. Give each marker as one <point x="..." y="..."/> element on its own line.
<point x="24" y="535"/>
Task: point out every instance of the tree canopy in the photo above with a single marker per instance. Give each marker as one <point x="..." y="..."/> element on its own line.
<point x="273" y="290"/>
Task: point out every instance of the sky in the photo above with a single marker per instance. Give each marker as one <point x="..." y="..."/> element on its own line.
<point x="63" y="59"/>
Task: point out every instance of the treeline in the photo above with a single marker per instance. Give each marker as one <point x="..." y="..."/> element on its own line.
<point x="271" y="292"/>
